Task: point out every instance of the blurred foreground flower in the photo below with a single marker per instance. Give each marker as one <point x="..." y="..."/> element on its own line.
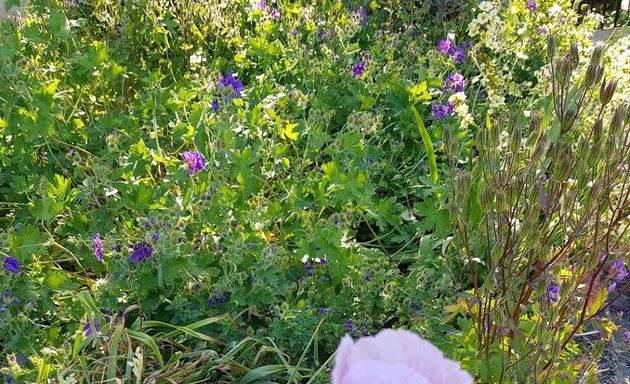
<point x="394" y="356"/>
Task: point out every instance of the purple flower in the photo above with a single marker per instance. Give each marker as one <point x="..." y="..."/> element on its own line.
<point x="195" y="161"/>
<point x="92" y="326"/>
<point x="23" y="359"/>
<point x="231" y="85"/>
<point x="155" y="236"/>
<point x="455" y="82"/>
<point x="541" y="30"/>
<point x="6" y="294"/>
<point x="446" y="46"/>
<point x="626" y="335"/>
<point x="363" y="15"/>
<point x="553" y="292"/>
<point x="441" y="112"/>
<point x="358" y="69"/>
<point x="459" y="55"/>
<point x="263" y="6"/>
<point x="416" y="306"/>
<point x="98" y="246"/>
<point x="16" y="300"/>
<point x="141" y="251"/>
<point x="275" y="14"/>
<point x="309" y="268"/>
<point x="215" y="104"/>
<point x="619" y="270"/>
<point x="531" y="5"/>
<point x="11" y="264"/>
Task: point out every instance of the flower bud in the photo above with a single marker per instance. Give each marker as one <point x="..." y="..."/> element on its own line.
<point x="606" y="91"/>
<point x="551" y="47"/>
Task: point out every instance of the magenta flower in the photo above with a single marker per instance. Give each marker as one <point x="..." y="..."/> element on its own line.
<point x="394" y="356"/>
<point x="446" y="46"/>
<point x="195" y="161"/>
<point x="11" y="264"/>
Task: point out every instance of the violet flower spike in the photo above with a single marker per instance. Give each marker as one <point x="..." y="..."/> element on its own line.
<point x="11" y="264"/>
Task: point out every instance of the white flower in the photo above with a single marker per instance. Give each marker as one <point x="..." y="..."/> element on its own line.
<point x="483" y="18"/>
<point x="555" y="10"/>
<point x="473" y="28"/>
<point x="461" y="110"/>
<point x="457" y="98"/>
<point x="485" y="6"/>
<point x="504" y="139"/>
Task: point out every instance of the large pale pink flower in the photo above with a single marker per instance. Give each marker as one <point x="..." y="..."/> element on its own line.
<point x="394" y="356"/>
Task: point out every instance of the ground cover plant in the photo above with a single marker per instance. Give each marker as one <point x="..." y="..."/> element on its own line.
<point x="219" y="191"/>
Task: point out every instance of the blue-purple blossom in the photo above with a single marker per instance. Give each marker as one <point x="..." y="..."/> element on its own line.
<point x="91" y="326"/>
<point x="455" y="82"/>
<point x="308" y="266"/>
<point x="441" y="112"/>
<point x="446" y="46"/>
<point x="358" y="69"/>
<point x="215" y="104"/>
<point x="195" y="161"/>
<point x="23" y="359"/>
<point x="231" y="85"/>
<point x="275" y="14"/>
<point x="16" y="300"/>
<point x="416" y="306"/>
<point x="553" y="292"/>
<point x="98" y="246"/>
<point x="11" y="264"/>
<point x="6" y="294"/>
<point x="363" y="14"/>
<point x="459" y="55"/>
<point x="141" y="251"/>
<point x="541" y="30"/>
<point x="531" y="5"/>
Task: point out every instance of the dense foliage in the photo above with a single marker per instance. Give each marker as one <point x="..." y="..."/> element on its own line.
<point x="220" y="190"/>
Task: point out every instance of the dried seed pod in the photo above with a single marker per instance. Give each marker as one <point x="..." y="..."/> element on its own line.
<point x="606" y="91"/>
<point x="574" y="55"/>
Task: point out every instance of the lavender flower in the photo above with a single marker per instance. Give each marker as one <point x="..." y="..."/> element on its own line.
<point x="441" y="112"/>
<point x="231" y="85"/>
<point x="309" y="268"/>
<point x="263" y="6"/>
<point x="446" y="46"/>
<point x="195" y="161"/>
<point x="363" y="15"/>
<point x="11" y="264"/>
<point x="215" y="104"/>
<point x="141" y="251"/>
<point x="541" y="30"/>
<point x="358" y="69"/>
<point x="6" y="294"/>
<point x="98" y="246"/>
<point x="455" y="82"/>
<point x="275" y="14"/>
<point x="531" y="5"/>
<point x="553" y="292"/>
<point x="619" y="270"/>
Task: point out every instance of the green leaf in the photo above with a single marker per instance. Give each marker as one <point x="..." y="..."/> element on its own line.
<point x="148" y="340"/>
<point x="428" y="145"/>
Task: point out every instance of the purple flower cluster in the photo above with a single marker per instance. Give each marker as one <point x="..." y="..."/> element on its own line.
<point x="455" y="82"/>
<point x="458" y="53"/>
<point x="363" y="14"/>
<point x="231" y="85"/>
<point x="441" y="112"/>
<point x="216" y="298"/>
<point x="618" y="271"/>
<point x="141" y="251"/>
<point x="358" y="69"/>
<point x="531" y="5"/>
<point x="11" y="264"/>
<point x="195" y="161"/>
<point x="98" y="246"/>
